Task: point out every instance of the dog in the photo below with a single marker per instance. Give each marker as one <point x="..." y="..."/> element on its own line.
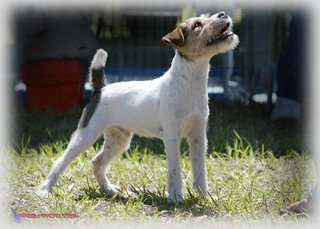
<point x="170" y="107"/>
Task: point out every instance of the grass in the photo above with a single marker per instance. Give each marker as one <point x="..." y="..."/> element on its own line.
<point x="255" y="167"/>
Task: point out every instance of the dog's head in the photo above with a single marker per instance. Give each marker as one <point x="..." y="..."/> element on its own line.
<point x="203" y="36"/>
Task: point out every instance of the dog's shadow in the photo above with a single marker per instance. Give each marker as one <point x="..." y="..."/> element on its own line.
<point x="190" y="205"/>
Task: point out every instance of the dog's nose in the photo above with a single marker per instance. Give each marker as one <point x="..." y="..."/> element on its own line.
<point x="222" y="14"/>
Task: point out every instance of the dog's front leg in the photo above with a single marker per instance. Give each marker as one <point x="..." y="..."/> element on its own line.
<point x="172" y="145"/>
<point x="198" y="146"/>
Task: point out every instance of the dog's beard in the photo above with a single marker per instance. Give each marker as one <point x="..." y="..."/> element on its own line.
<point x="230" y="42"/>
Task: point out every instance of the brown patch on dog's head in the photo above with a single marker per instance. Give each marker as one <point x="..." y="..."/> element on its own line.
<point x="203" y="36"/>
<point x="174" y="38"/>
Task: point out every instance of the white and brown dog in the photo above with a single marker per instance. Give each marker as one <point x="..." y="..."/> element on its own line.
<point x="170" y="107"/>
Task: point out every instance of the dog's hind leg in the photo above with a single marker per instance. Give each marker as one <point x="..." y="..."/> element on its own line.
<point x="80" y="140"/>
<point x="117" y="140"/>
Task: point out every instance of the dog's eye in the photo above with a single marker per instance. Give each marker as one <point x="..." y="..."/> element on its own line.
<point x="196" y="25"/>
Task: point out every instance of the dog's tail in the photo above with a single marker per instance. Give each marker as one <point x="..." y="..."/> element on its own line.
<point x="97" y="78"/>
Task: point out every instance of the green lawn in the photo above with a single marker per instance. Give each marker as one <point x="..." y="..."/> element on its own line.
<point x="255" y="167"/>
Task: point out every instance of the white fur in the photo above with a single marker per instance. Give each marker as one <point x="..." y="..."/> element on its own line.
<point x="99" y="59"/>
<point x="170" y="107"/>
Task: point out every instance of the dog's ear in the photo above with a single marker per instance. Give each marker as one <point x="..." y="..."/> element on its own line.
<point x="175" y="38"/>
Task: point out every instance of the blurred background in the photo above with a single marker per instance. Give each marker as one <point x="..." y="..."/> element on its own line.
<point x="251" y="88"/>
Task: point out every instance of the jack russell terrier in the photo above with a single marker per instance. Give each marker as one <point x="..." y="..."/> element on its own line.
<point x="170" y="107"/>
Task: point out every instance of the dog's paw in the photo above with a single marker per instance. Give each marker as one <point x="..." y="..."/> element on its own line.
<point x="175" y="199"/>
<point x="111" y="189"/>
<point x="44" y="190"/>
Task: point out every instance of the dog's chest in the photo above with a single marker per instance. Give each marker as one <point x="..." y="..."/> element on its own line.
<point x="197" y="94"/>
